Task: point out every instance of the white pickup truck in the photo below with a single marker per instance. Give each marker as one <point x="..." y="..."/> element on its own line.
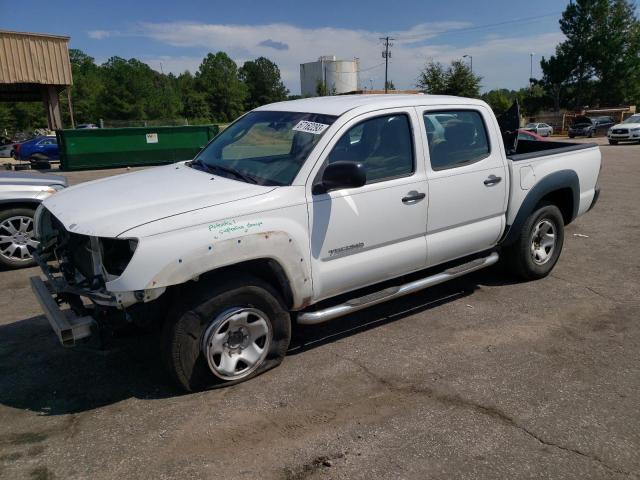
<point x="304" y="211"/>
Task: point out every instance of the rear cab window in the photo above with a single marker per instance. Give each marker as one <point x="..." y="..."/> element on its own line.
<point x="455" y="138"/>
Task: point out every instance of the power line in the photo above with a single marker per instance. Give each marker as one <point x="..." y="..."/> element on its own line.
<point x="478" y="27"/>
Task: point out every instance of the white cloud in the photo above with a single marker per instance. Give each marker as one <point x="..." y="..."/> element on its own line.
<point x="100" y="34"/>
<point x="502" y="61"/>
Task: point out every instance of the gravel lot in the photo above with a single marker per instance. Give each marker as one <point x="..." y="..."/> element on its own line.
<point x="481" y="378"/>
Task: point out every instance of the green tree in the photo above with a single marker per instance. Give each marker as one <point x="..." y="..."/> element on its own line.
<point x="225" y="93"/>
<point x="126" y="85"/>
<point x="390" y="85"/>
<point x="194" y="102"/>
<point x="599" y="59"/>
<point x="499" y="100"/>
<point x="87" y="85"/>
<point x="264" y="84"/>
<point x="457" y="79"/>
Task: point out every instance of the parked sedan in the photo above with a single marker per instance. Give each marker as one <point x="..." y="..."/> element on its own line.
<point x="39" y="149"/>
<point x="7" y="150"/>
<point x="20" y="194"/>
<point x="588" y="127"/>
<point x="627" y="131"/>
<point x="539" y="128"/>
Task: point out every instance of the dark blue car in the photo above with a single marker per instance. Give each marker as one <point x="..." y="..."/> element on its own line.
<point x="39" y="149"/>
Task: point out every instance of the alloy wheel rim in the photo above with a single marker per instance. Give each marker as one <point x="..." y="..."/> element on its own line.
<point x="543" y="242"/>
<point x="17" y="241"/>
<point x="236" y="342"/>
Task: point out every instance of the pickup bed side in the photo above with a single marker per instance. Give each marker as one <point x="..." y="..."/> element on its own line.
<point x="566" y="177"/>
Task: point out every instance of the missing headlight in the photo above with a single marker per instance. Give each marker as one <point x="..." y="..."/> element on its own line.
<point x="116" y="254"/>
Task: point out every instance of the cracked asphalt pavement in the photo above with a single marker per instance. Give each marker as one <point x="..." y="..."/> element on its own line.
<point x="481" y="378"/>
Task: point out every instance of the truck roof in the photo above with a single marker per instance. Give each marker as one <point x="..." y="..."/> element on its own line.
<point x="339" y="104"/>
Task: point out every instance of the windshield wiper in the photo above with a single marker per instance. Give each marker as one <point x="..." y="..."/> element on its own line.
<point x="234" y="172"/>
<point x="199" y="163"/>
<point x="219" y="168"/>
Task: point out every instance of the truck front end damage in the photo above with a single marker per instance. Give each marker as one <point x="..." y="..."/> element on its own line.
<point x="77" y="269"/>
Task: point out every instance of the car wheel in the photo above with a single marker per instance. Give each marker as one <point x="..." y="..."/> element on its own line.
<point x="16" y="238"/>
<point x="613" y="142"/>
<point x="572" y="136"/>
<point x="224" y="334"/>
<point x="538" y="247"/>
<point x="590" y="134"/>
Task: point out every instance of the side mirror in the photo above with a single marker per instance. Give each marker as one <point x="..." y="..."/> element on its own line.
<point x="340" y="175"/>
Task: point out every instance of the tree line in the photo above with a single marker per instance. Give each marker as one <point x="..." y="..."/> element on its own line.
<point x="598" y="65"/>
<point x="128" y="90"/>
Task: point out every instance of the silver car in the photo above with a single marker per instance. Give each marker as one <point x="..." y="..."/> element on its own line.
<point x="541" y="129"/>
<point x="20" y="195"/>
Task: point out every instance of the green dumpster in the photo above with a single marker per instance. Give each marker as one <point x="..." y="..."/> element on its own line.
<point x="127" y="147"/>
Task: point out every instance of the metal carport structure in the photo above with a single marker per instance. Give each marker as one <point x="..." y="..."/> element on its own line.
<point x="35" y="67"/>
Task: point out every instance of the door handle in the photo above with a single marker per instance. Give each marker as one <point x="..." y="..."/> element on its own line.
<point x="492" y="180"/>
<point x="413" y="197"/>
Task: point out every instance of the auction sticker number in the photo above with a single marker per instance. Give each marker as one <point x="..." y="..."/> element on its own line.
<point x="310" y="127"/>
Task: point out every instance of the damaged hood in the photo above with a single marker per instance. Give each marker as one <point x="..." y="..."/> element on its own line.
<point x="111" y="206"/>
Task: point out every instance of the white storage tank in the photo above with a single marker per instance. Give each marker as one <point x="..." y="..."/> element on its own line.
<point x="339" y="76"/>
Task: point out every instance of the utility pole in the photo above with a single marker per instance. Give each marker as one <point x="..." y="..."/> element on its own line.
<point x="386" y="54"/>
<point x="470" y="57"/>
<point x="531" y="71"/>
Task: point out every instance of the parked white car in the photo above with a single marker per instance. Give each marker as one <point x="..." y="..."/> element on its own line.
<point x="20" y="195"/>
<point x="540" y="128"/>
<point x="304" y="211"/>
<point x="7" y="150"/>
<point x="627" y="131"/>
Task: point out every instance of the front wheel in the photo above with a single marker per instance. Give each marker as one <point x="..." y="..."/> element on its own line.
<point x="538" y="247"/>
<point x="17" y="242"/>
<point x="613" y="142"/>
<point x="224" y="334"/>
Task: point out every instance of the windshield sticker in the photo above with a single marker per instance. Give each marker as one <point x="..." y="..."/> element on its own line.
<point x="310" y="127"/>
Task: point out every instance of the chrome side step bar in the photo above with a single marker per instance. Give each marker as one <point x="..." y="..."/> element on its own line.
<point x="355" y="304"/>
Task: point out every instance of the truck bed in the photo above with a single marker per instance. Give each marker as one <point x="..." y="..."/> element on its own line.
<point x="528" y="149"/>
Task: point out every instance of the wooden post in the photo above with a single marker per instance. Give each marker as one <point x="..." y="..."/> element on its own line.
<point x="73" y="123"/>
<point x="52" y="106"/>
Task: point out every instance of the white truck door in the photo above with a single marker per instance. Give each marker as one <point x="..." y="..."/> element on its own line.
<point x="468" y="181"/>
<point x="361" y="236"/>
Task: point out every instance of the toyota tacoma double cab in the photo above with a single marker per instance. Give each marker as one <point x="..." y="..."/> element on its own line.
<point x="304" y="211"/>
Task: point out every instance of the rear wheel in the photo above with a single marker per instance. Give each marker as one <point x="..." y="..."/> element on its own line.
<point x="225" y="334"/>
<point x="538" y="247"/>
<point x="17" y="242"/>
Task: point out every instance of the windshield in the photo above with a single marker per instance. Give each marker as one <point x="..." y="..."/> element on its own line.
<point x="530" y="125"/>
<point x="267" y="148"/>
<point x="633" y="119"/>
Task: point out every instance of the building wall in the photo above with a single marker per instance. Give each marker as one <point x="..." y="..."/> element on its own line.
<point x="341" y="75"/>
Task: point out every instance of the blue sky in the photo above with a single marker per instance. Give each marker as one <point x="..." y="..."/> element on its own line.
<point x="176" y="35"/>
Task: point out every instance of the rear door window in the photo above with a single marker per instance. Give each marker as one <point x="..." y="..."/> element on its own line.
<point x="460" y="138"/>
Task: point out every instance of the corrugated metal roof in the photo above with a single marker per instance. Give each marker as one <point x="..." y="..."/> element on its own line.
<point x="34" y="58"/>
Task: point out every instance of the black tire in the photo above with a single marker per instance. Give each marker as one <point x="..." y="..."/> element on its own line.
<point x="518" y="258"/>
<point x="572" y="136"/>
<point x="590" y="134"/>
<point x="5" y="260"/>
<point x="200" y="309"/>
<point x="613" y="142"/>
